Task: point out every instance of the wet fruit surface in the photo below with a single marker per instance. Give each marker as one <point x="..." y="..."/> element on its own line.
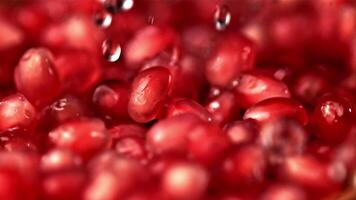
<point x="177" y="100"/>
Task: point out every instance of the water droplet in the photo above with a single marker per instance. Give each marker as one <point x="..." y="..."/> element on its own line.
<point x="103" y="19"/>
<point x="222" y="17"/>
<point x="111" y="51"/>
<point x="114" y="6"/>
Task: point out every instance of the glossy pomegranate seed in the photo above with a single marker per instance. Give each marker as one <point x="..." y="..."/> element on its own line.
<point x="16" y="113"/>
<point x="16" y="181"/>
<point x="275" y="108"/>
<point x="223" y="108"/>
<point x="170" y="135"/>
<point x="207" y="143"/>
<point x="113" y="177"/>
<point x="149" y="91"/>
<point x="148" y="42"/>
<point x="10" y="34"/>
<point x="282" y="138"/>
<point x="65" y="109"/>
<point x="126" y="130"/>
<point x="111" y="100"/>
<point x="252" y="88"/>
<point x="66" y="185"/>
<point x="180" y="106"/>
<point x="309" y="86"/>
<point x="242" y="132"/>
<point x="85" y="137"/>
<point x="78" y="70"/>
<point x="131" y="147"/>
<point x="61" y="35"/>
<point x="36" y="72"/>
<point x="233" y="55"/>
<point x="244" y="167"/>
<point x="185" y="181"/>
<point x="282" y="191"/>
<point x="60" y="159"/>
<point x="309" y="172"/>
<point x="332" y="118"/>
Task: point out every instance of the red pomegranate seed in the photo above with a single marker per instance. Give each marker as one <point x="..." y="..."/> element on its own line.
<point x="85" y="137"/>
<point x="275" y="108"/>
<point x="233" y="55"/>
<point x="185" y="181"/>
<point x="180" y="106"/>
<point x="316" y="175"/>
<point x="223" y="108"/>
<point x="245" y="166"/>
<point x="111" y="100"/>
<point x="242" y="132"/>
<point x="333" y="117"/>
<point x="126" y="130"/>
<point x="36" y="72"/>
<point x="113" y="177"/>
<point x="131" y="147"/>
<point x="148" y="42"/>
<point x="78" y="70"/>
<point x="309" y="86"/>
<point x="65" y="185"/>
<point x="251" y="88"/>
<point x="60" y="159"/>
<point x="206" y="143"/>
<point x="10" y="34"/>
<point x="16" y="113"/>
<point x="149" y="92"/>
<point x="170" y="135"/>
<point x="281" y="191"/>
<point x="282" y="138"/>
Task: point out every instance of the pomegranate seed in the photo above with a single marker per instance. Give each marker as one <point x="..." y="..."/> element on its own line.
<point x="85" y="137"/>
<point x="111" y="100"/>
<point x="275" y="108"/>
<point x="148" y="42"/>
<point x="126" y="130"/>
<point x="78" y="70"/>
<point x="332" y="118"/>
<point x="131" y="147"/>
<point x="10" y="34"/>
<point x="16" y="113"/>
<point x="149" y="91"/>
<point x="36" y="72"/>
<point x="242" y="132"/>
<point x="223" y="108"/>
<point x="244" y="166"/>
<point x="282" y="138"/>
<point x="252" y="88"/>
<point x="282" y="191"/>
<point x="185" y="181"/>
<point x="66" y="185"/>
<point x="169" y="135"/>
<point x="113" y="177"/>
<point x="58" y="160"/>
<point x="309" y="172"/>
<point x="180" y="106"/>
<point x="232" y="56"/>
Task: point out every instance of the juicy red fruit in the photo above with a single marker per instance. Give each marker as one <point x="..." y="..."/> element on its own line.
<point x="36" y="72"/>
<point x="150" y="90"/>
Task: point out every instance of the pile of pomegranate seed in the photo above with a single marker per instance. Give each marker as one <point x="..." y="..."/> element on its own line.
<point x="177" y="99"/>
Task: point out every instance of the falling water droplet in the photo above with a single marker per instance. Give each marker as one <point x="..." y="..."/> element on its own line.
<point x="103" y="19"/>
<point x="114" y="6"/>
<point x="222" y="17"/>
<point x="111" y="51"/>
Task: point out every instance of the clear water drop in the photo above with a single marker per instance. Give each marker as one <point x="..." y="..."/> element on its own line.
<point x="222" y="17"/>
<point x="114" y="6"/>
<point x="111" y="51"/>
<point x="103" y="19"/>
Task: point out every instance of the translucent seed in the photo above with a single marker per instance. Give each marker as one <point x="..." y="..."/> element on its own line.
<point x="114" y="6"/>
<point x="111" y="51"/>
<point x="222" y="17"/>
<point x="102" y="19"/>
